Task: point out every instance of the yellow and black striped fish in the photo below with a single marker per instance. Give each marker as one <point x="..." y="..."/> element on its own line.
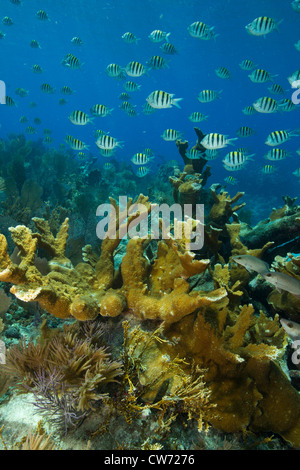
<point x="46" y="88"/>
<point x="107" y="142"/>
<point x="71" y="61"/>
<point x="260" y="76"/>
<point x="79" y="118"/>
<point x="279" y="137"/>
<point x="157" y="36"/>
<point x="206" y="96"/>
<point x="262" y="25"/>
<point x="135" y="69"/>
<point x="276" y="154"/>
<point x="161" y="99"/>
<point x="157" y="62"/>
<point x="266" y="105"/>
<point x="141" y="158"/>
<point x="131" y="86"/>
<point x="42" y="15"/>
<point x="76" y="41"/>
<point x="36" y="69"/>
<point x="268" y="169"/>
<point x="113" y="70"/>
<point x="101" y="110"/>
<point x="170" y="135"/>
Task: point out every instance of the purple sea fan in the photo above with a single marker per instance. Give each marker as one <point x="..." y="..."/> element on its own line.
<point x="55" y="400"/>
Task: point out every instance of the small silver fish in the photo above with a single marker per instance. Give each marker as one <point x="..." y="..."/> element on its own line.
<point x="251" y="263"/>
<point x="283" y="282"/>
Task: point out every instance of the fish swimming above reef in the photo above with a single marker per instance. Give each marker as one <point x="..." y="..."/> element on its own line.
<point x="292" y="328"/>
<point x="251" y="263"/>
<point x="283" y="282"/>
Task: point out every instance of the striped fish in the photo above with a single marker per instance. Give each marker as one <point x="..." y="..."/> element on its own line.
<point x="42" y="15"/>
<point x="286" y="105"/>
<point x="260" y="76"/>
<point x="236" y="158"/>
<point x="135" y="69"/>
<point x="197" y="117"/>
<point x="247" y="65"/>
<point x="194" y="154"/>
<point x="161" y="99"/>
<point x="249" y="110"/>
<point x="157" y="36"/>
<point x="36" y="69"/>
<point x="276" y="89"/>
<point x="125" y="106"/>
<point x="46" y="88"/>
<point x="200" y="30"/>
<point x="142" y="171"/>
<point x="168" y="48"/>
<point x="170" y="135"/>
<point x="124" y="96"/>
<point x="276" y="154"/>
<point x="268" y="169"/>
<point x="131" y="86"/>
<point x="266" y="105"/>
<point x="71" y="61"/>
<point x="206" y="96"/>
<point x="100" y="110"/>
<point x="107" y="142"/>
<point x="141" y="159"/>
<point x="245" y="131"/>
<point x="66" y="90"/>
<point x="75" y="144"/>
<point x="113" y="70"/>
<point x="157" y="62"/>
<point x="216" y="141"/>
<point x="231" y="180"/>
<point x="130" y="38"/>
<point x="79" y="118"/>
<point x="223" y="72"/>
<point x="76" y="41"/>
<point x="262" y="25"/>
<point x="279" y="137"/>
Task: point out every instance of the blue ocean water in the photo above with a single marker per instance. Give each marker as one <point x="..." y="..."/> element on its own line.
<point x="100" y="24"/>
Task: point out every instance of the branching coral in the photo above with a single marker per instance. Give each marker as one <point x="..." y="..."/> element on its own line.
<point x="160" y="292"/>
<point x="66" y="290"/>
<point x="224" y="207"/>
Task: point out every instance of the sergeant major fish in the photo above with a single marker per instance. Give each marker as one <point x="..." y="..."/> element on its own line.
<point x="161" y="99"/>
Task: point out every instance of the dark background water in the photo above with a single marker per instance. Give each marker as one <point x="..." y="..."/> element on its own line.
<point x="100" y="24"/>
